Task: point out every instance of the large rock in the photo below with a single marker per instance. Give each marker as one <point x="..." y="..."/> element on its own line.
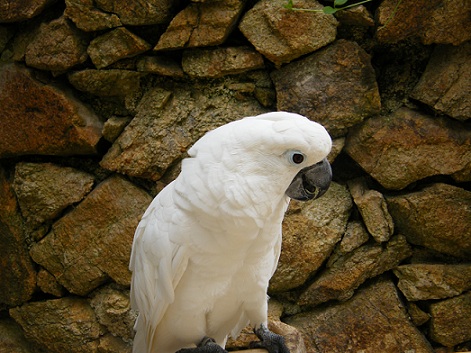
<point x="167" y="123"/>
<point x="450" y="323"/>
<point x="335" y="86"/>
<point x="106" y="83"/>
<point x="17" y="272"/>
<point x="433" y="21"/>
<point x="282" y="35"/>
<point x="43" y="119"/>
<point x="373" y="209"/>
<point x="374" y="320"/>
<point x="433" y="281"/>
<point x="347" y="273"/>
<point x="115" y="45"/>
<point x="214" y="63"/>
<point x="12" y="338"/>
<point x="93" y="242"/>
<point x="57" y="46"/>
<point x="310" y="232"/>
<point x="113" y="310"/>
<point x="44" y="190"/>
<point x="88" y="17"/>
<point x="407" y="146"/>
<point x="60" y="325"/>
<point x="201" y="24"/>
<point x="138" y="13"/>
<point x="16" y="11"/>
<point x="446" y="83"/>
<point x="437" y="217"/>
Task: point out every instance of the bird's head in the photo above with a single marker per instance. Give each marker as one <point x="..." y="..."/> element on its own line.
<point x="272" y="154"/>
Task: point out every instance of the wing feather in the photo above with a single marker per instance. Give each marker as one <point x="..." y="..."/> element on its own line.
<point x="157" y="264"/>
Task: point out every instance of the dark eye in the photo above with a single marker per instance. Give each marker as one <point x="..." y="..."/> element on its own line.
<point x="296" y="157"/>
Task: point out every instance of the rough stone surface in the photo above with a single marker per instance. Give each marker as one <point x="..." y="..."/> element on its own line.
<point x="15" y="11"/>
<point x="160" y="65"/>
<point x="355" y="236"/>
<point x="117" y="44"/>
<point x="213" y="63"/>
<point x="48" y="284"/>
<point x="88" y="18"/>
<point x="201" y="24"/>
<point x="167" y="123"/>
<point x="12" y="338"/>
<point x="355" y="16"/>
<point x="437" y="217"/>
<point x="106" y="83"/>
<point x="68" y="43"/>
<point x="433" y="281"/>
<point x="44" y="190"/>
<point x="340" y="280"/>
<point x="446" y="82"/>
<point x="373" y="210"/>
<point x="113" y="309"/>
<point x="42" y="119"/>
<point x="407" y="146"/>
<point x="433" y="21"/>
<point x="450" y="324"/>
<point x="114" y="126"/>
<point x="17" y="273"/>
<point x="282" y="35"/>
<point x="58" y="325"/>
<point x="93" y="242"/>
<point x="338" y="87"/>
<point x="138" y="13"/>
<point x="373" y="320"/>
<point x="310" y="232"/>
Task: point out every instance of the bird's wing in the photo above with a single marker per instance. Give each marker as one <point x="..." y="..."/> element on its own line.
<point x="157" y="264"/>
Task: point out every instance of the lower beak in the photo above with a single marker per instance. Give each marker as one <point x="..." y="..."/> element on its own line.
<point x="311" y="182"/>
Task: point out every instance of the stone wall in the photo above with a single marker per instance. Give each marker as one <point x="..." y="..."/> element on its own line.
<point x="101" y="99"/>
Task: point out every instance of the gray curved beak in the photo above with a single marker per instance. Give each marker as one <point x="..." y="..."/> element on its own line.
<point x="311" y="182"/>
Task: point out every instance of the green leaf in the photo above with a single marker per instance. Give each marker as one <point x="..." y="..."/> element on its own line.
<point x="289" y="5"/>
<point x="329" y="10"/>
<point x="338" y="3"/>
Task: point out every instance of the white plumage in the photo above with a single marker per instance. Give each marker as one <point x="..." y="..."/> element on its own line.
<point x="209" y="242"/>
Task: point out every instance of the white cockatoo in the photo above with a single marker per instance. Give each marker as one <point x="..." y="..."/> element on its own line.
<point x="209" y="242"/>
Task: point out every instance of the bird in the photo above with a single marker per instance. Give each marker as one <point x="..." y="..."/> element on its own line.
<point x="206" y="247"/>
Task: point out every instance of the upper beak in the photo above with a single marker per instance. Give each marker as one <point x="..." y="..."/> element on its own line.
<point x="311" y="182"/>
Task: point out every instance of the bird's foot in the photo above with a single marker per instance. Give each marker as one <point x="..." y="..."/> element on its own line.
<point x="272" y="342"/>
<point x="207" y="345"/>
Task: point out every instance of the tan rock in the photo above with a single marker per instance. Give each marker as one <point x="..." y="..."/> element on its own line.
<point x="44" y="190"/>
<point x="373" y="320"/>
<point x="57" y="46"/>
<point x="13" y="339"/>
<point x="16" y="11"/>
<point x="338" y="87"/>
<point x="93" y="242"/>
<point x="201" y="24"/>
<point x="43" y="119"/>
<point x="310" y="232"/>
<point x="17" y="272"/>
<point x="106" y="83"/>
<point x="437" y="217"/>
<point x="160" y="65"/>
<point x="139" y="13"/>
<point x="433" y="281"/>
<point x="450" y="324"/>
<point x="168" y="122"/>
<point x="407" y="146"/>
<point x="373" y="209"/>
<point x="88" y="18"/>
<point x="113" y="309"/>
<point x="282" y="35"/>
<point x="344" y="276"/>
<point x="115" y="45"/>
<point x="58" y="325"/>
<point x="112" y="344"/>
<point x="114" y="126"/>
<point x="433" y="21"/>
<point x="446" y="83"/>
<point x="214" y="63"/>
<point x="355" y="236"/>
<point x="48" y="284"/>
